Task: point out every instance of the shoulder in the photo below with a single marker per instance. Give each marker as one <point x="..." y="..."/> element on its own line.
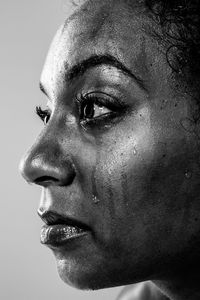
<point x="141" y="291"/>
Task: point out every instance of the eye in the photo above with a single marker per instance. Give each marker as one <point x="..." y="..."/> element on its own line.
<point x="43" y="114"/>
<point x="94" y="110"/>
<point x="94" y="106"/>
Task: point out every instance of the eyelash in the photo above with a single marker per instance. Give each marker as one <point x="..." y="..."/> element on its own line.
<point x="83" y="101"/>
<point x="43" y="114"/>
<point x="91" y="99"/>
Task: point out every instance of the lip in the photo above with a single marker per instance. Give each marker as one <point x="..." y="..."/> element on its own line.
<point x="60" y="234"/>
<point x="60" y="229"/>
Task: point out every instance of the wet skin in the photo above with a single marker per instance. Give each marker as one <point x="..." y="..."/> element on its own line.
<point x="128" y="169"/>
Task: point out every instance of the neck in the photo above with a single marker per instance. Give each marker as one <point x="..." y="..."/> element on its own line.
<point x="184" y="287"/>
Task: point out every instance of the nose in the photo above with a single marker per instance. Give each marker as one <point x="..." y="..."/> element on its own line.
<point x="45" y="164"/>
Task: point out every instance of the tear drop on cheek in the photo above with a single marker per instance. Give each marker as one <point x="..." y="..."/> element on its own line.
<point x="188" y="174"/>
<point x="95" y="199"/>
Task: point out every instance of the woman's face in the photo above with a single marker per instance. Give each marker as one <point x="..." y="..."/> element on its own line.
<point x="117" y="152"/>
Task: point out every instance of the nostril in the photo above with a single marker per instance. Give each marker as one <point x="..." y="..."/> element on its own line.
<point x="45" y="180"/>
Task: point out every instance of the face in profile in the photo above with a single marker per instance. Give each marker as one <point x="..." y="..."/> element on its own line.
<point x="118" y="169"/>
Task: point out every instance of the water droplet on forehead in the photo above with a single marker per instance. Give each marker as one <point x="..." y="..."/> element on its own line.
<point x="188" y="174"/>
<point x="134" y="150"/>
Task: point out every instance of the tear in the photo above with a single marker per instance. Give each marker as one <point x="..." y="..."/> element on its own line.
<point x="95" y="199"/>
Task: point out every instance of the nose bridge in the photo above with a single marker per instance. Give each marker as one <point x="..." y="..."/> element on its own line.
<point x="47" y="163"/>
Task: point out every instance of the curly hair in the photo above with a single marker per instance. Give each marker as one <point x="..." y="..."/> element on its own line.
<point x="180" y="22"/>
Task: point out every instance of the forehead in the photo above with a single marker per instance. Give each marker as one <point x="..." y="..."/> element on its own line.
<point x="99" y="27"/>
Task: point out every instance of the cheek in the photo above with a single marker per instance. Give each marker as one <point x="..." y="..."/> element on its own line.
<point x="122" y="164"/>
<point x="121" y="173"/>
<point x="140" y="182"/>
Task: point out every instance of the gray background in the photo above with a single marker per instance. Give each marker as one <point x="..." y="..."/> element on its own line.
<point x="28" y="270"/>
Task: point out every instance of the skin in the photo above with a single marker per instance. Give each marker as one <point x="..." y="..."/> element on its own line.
<point x="132" y="178"/>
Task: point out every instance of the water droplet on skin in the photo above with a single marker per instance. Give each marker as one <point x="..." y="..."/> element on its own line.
<point x="188" y="174"/>
<point x="134" y="151"/>
<point x="109" y="171"/>
<point x="95" y="199"/>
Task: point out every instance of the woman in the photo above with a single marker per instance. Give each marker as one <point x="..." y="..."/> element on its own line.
<point x="118" y="158"/>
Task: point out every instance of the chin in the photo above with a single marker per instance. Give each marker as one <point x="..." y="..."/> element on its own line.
<point x="85" y="276"/>
<point x="82" y="276"/>
<point x="93" y="270"/>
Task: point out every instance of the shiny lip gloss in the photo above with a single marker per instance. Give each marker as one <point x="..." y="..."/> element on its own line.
<point x="59" y="234"/>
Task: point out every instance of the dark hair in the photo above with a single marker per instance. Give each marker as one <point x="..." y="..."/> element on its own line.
<point x="180" y="22"/>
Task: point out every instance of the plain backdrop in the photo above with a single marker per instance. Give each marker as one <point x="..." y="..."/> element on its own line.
<point x="28" y="269"/>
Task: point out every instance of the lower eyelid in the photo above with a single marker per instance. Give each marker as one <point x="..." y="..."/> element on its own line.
<point x="100" y="120"/>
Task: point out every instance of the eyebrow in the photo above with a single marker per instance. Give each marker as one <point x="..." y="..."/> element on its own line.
<point x="96" y="60"/>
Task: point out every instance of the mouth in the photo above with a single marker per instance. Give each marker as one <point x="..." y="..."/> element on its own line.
<point x="60" y="230"/>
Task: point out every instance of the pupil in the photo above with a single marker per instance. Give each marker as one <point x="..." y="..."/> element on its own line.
<point x="89" y="111"/>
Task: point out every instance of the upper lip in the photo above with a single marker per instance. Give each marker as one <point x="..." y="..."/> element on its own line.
<point x="54" y="218"/>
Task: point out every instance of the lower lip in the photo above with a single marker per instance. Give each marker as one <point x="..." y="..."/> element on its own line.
<point x="58" y="235"/>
